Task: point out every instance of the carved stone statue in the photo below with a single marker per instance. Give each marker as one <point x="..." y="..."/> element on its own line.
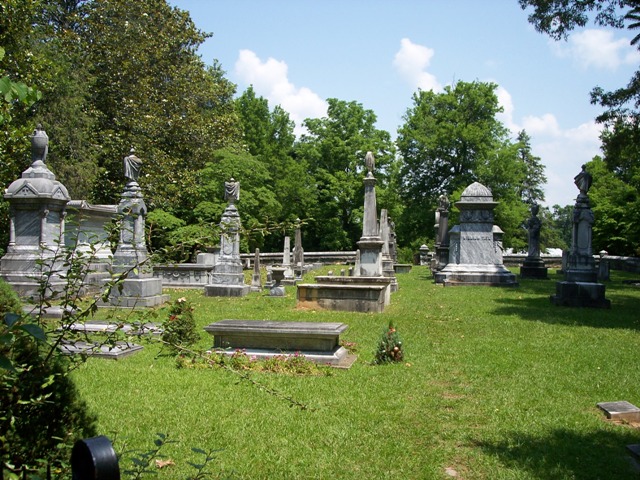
<point x="583" y="180"/>
<point x="232" y="191"/>
<point x="132" y="166"/>
<point x="533" y="227"/>
<point x="443" y="202"/>
<point x="370" y="162"/>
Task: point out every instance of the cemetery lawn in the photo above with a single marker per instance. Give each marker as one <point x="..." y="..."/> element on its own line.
<point x="497" y="383"/>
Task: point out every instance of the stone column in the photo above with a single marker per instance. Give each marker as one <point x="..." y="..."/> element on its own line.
<point x="370" y="244"/>
<point x="298" y="252"/>
<point x="442" y="232"/>
<point x="256" y="279"/>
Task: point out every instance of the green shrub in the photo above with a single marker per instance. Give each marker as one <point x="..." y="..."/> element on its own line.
<point x="41" y="413"/>
<point x="180" y="327"/>
<point x="390" y="348"/>
<point x="9" y="301"/>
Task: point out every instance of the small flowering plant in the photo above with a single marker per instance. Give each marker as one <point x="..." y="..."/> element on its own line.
<point x="180" y="327"/>
<point x="389" y="347"/>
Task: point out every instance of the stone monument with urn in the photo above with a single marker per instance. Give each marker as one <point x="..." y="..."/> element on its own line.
<point x="227" y="278"/>
<point x="37" y="210"/>
<point x="580" y="287"/>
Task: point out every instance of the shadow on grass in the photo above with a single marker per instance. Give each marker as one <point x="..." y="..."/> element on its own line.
<point x="568" y="454"/>
<point x="531" y="301"/>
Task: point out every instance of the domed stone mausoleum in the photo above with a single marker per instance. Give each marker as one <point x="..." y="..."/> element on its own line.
<point x="475" y="245"/>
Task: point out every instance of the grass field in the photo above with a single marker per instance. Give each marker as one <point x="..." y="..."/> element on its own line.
<point x="497" y="384"/>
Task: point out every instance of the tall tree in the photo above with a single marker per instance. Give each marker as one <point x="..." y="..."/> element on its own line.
<point x="334" y="149"/>
<point x="268" y="136"/>
<point x="621" y="115"/>
<point x="153" y="92"/>
<point x="447" y="141"/>
<point x="616" y="207"/>
<point x="534" y="178"/>
<point x="446" y="136"/>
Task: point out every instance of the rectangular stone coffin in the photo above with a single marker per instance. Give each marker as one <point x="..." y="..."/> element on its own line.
<point x="344" y="297"/>
<point x="285" y="336"/>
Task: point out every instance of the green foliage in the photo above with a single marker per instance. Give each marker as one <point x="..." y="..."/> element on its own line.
<point x="390" y="347"/>
<point x="9" y="301"/>
<point x="42" y="412"/>
<point x="453" y="138"/>
<point x="616" y="207"/>
<point x="557" y="18"/>
<point x="333" y="150"/>
<point x="296" y="364"/>
<point x="160" y="225"/>
<point x="179" y="329"/>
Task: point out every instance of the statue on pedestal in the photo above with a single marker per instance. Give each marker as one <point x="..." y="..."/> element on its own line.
<point x="232" y="191"/>
<point x="132" y="166"/>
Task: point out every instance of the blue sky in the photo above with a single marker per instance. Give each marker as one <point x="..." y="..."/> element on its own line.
<point x="378" y="53"/>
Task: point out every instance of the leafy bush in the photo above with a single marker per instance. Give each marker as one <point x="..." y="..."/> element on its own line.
<point x="389" y="347"/>
<point x="43" y="414"/>
<point x="180" y="327"/>
<point x="9" y="301"/>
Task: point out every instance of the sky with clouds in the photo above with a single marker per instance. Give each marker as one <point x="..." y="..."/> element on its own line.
<point x="378" y="53"/>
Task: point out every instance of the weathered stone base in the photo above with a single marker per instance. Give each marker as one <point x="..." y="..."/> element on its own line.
<point x="29" y="290"/>
<point x="344" y="297"/>
<point x="115" y="352"/>
<point x="402" y="267"/>
<point x="220" y="290"/>
<point x="318" y="342"/>
<point x="185" y="275"/>
<point x="533" y="269"/>
<point x="137" y="293"/>
<point x="487" y="275"/>
<point x="580" y="294"/>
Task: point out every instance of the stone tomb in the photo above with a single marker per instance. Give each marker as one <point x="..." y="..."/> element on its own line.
<point x="37" y="210"/>
<point x="227" y="278"/>
<point x="140" y="288"/>
<point x="475" y="245"/>
<point x="318" y="342"/>
<point x="533" y="266"/>
<point x="348" y="294"/>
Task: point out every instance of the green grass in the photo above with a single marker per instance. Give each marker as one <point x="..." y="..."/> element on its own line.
<point x="498" y="384"/>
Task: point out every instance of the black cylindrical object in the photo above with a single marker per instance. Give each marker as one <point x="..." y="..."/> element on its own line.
<point x="94" y="459"/>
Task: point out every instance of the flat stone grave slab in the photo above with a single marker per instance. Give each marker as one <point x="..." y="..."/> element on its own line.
<point x="634" y="451"/>
<point x="92" y="349"/>
<point x="318" y="342"/>
<point x="111" y="327"/>
<point x="621" y="410"/>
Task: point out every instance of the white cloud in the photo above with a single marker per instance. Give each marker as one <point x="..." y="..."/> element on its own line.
<point x="412" y="61"/>
<point x="270" y="79"/>
<point x="506" y="102"/>
<point x="545" y="125"/>
<point x="562" y="151"/>
<point x="598" y="49"/>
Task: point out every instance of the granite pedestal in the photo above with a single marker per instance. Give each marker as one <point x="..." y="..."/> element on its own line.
<point x="318" y="342"/>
